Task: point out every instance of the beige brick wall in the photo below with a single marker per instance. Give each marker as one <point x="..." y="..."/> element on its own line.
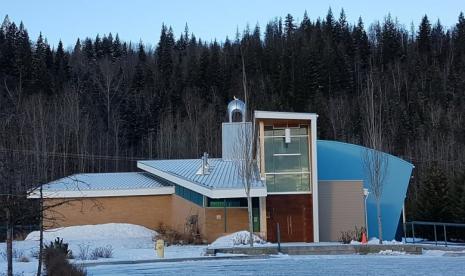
<point x="181" y="209"/>
<point x="147" y="211"/>
<point x="236" y="220"/>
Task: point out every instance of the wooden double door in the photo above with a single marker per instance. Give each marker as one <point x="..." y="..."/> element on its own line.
<point x="294" y="215"/>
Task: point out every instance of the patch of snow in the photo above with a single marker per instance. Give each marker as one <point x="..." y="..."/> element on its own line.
<point x="241" y="238"/>
<point x="376" y="241"/>
<point x="434" y="253"/>
<point x="109" y="231"/>
<point x="391" y="252"/>
<point x="410" y="240"/>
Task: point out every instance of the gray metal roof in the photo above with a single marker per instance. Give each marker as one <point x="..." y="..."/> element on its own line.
<point x="106" y="181"/>
<point x="223" y="174"/>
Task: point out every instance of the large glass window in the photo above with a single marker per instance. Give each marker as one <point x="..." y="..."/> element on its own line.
<point x="287" y="164"/>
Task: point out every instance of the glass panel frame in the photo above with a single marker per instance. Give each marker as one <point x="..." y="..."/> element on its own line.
<point x="287" y="165"/>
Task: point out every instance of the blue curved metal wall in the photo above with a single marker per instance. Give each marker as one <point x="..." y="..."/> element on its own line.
<point x="342" y="161"/>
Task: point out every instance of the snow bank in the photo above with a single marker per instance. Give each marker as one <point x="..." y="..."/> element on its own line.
<point x="376" y="241"/>
<point x="391" y="252"/>
<point x="240" y="238"/>
<point x="109" y="231"/>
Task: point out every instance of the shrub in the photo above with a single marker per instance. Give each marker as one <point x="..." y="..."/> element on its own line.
<point x="23" y="259"/>
<point x="60" y="246"/>
<point x="346" y="236"/>
<point x="56" y="264"/>
<point x="192" y="230"/>
<point x="34" y="254"/>
<point x="84" y="252"/>
<point x="170" y="236"/>
<point x="17" y="254"/>
<point x="351" y="235"/>
<point x="102" y="252"/>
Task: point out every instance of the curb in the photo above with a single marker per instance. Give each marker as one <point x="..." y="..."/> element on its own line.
<point x="318" y="249"/>
<point x="172" y="260"/>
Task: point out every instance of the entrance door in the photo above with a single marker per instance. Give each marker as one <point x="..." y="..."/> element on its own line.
<point x="294" y="215"/>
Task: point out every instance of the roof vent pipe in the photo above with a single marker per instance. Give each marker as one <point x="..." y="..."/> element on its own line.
<point x="205" y="163"/>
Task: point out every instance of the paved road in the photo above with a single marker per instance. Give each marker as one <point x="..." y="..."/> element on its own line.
<point x="299" y="265"/>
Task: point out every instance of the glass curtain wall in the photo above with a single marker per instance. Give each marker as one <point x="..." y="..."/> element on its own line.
<point x="287" y="164"/>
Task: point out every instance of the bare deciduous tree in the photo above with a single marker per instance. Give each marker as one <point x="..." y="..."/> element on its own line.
<point x="374" y="160"/>
<point x="243" y="156"/>
<point x="246" y="166"/>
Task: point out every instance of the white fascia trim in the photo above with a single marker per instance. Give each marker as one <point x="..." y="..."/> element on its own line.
<point x="339" y="180"/>
<point x="290" y="193"/>
<point x="316" y="219"/>
<point x="211" y="193"/>
<point x="103" y="193"/>
<point x="237" y="193"/>
<point x="284" y="115"/>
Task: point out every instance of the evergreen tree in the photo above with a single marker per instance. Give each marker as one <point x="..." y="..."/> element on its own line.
<point x="306" y="24"/>
<point x="117" y="51"/>
<point x="165" y="56"/>
<point x="289" y="26"/>
<point x="88" y="50"/>
<point x="41" y="62"/>
<point x="390" y="41"/>
<point x="434" y="204"/>
<point x="98" y="47"/>
<point x="61" y="67"/>
<point x="362" y="47"/>
<point x="141" y="53"/>
<point x="424" y="36"/>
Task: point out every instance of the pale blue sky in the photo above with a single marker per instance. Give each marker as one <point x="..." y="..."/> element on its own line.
<point x="207" y="19"/>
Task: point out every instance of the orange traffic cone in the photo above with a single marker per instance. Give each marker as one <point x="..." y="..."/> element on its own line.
<point x="364" y="238"/>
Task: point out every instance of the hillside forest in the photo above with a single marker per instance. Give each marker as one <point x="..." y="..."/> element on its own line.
<point x="103" y="103"/>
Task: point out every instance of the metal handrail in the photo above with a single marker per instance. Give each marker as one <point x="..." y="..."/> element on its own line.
<point x="434" y="224"/>
<point x="438" y="223"/>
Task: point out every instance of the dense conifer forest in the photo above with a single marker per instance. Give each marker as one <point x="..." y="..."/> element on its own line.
<point x="104" y="103"/>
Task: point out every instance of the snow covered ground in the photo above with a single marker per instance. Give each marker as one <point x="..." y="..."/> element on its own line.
<point x="129" y="242"/>
<point x="346" y="265"/>
<point x="134" y="243"/>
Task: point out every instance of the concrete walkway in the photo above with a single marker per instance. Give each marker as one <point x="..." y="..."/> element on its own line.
<point x="271" y="251"/>
<point x="205" y="258"/>
<point x="318" y="249"/>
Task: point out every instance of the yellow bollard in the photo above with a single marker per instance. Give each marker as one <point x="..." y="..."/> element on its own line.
<point x="160" y="246"/>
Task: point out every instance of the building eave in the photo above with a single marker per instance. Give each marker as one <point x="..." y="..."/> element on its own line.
<point x="211" y="193"/>
<point x="102" y="193"/>
<point x="258" y="114"/>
